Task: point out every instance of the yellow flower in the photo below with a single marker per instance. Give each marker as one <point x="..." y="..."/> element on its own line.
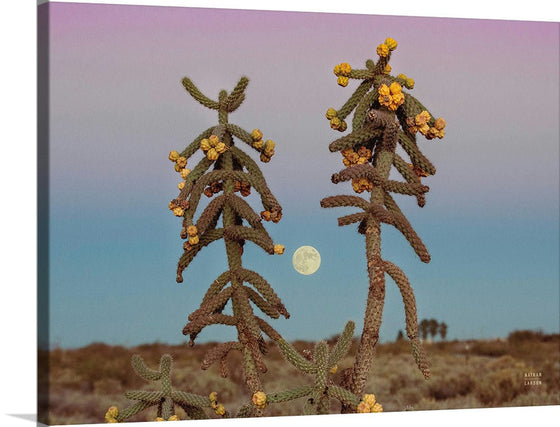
<point x="402" y="76"/>
<point x="331" y="113"/>
<point x="259" y="399"/>
<point x="383" y="50"/>
<point x="213" y="396"/>
<point x="343" y="126"/>
<point x="178" y="211"/>
<point x="387" y="69"/>
<point x="185" y="172"/>
<point x="181" y="185"/>
<point x="212" y="154"/>
<point x="342" y="81"/>
<point x="205" y="145"/>
<point x="424" y="129"/>
<point x="173" y="418"/>
<point x="213" y="140"/>
<point x="256" y="134"/>
<point x="278" y="249"/>
<point x="194" y="240"/>
<point x="173" y="156"/>
<point x="159" y="419"/>
<point x="395" y="88"/>
<point x="220" y="410"/>
<point x="334" y="369"/>
<point x="391" y="43"/>
<point x="178" y="168"/>
<point x="377" y="408"/>
<point x="265" y="215"/>
<point x="112" y="414"/>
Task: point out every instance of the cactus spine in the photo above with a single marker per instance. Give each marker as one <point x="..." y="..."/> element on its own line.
<point x="384" y="116"/>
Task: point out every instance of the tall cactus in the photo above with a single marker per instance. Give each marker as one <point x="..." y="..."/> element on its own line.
<point x="232" y="171"/>
<point x="384" y="116"/>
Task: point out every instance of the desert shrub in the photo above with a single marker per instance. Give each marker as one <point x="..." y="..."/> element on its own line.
<point x="493" y="348"/>
<point x="500" y="387"/>
<point x="451" y="386"/>
<point x="525" y="335"/>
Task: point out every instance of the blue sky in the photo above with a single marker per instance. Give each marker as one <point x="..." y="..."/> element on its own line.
<point x="117" y="109"/>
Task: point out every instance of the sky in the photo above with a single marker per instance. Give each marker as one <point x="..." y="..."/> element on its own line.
<point x="117" y="107"/>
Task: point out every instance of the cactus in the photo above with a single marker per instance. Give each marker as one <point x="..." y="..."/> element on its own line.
<point x="384" y="116"/>
<point x="165" y="399"/>
<point x="233" y="171"/>
<point x="322" y="363"/>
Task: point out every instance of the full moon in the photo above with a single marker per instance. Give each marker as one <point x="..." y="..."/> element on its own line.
<point x="306" y="260"/>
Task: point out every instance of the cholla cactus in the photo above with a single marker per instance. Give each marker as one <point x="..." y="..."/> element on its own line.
<point x="232" y="171"/>
<point x="165" y="399"/>
<point x="384" y="116"/>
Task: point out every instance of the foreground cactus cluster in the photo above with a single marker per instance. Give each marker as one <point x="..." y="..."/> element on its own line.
<point x="384" y="116"/>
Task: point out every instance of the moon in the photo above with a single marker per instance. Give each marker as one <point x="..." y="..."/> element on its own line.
<point x="306" y="260"/>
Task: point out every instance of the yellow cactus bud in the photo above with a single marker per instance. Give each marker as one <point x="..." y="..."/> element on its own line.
<point x="178" y="168"/>
<point x="181" y="185"/>
<point x="363" y="408"/>
<point x="220" y="410"/>
<point x="159" y="419"/>
<point x="258" y="144"/>
<point x="342" y="81"/>
<point x="265" y="158"/>
<point x="334" y="369"/>
<point x="335" y="123"/>
<point x="173" y="156"/>
<point x="194" y="240"/>
<point x="377" y="408"/>
<point x="269" y="147"/>
<point x="387" y="69"/>
<point x="205" y="145"/>
<point x="402" y="76"/>
<point x="178" y="211"/>
<point x="212" y="154"/>
<point x="391" y="43"/>
<point x="331" y="113"/>
<point x="221" y="147"/>
<point x="256" y="134"/>
<point x="278" y="249"/>
<point x="369" y="399"/>
<point x="439" y="124"/>
<point x="343" y="126"/>
<point x="173" y="418"/>
<point x="409" y="83"/>
<point x="259" y="399"/>
<point x="192" y="230"/>
<point x="395" y="88"/>
<point x="213" y="140"/>
<point x="182" y="162"/>
<point x="383" y="50"/>
<point x="185" y="172"/>
<point x="213" y="396"/>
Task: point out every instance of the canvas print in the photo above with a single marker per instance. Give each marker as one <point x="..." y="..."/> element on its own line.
<point x="249" y="213"/>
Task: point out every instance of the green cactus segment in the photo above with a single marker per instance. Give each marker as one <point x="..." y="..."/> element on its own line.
<point x="384" y="116"/>
<point x="165" y="399"/>
<point x="198" y="95"/>
<point x="320" y="364"/>
<point x="342" y="345"/>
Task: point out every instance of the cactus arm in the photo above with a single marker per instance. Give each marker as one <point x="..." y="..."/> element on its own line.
<point x="152" y="397"/>
<point x="198" y="95"/>
<point x="342" y="345"/>
<point x="344" y="200"/>
<point x="353" y="101"/>
<point x="237" y="95"/>
<point x="143" y="371"/>
<point x="357" y="136"/>
<point x="288" y="395"/>
<point x="195" y="145"/>
<point x="295" y="358"/>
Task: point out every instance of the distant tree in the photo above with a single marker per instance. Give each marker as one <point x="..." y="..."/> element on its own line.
<point x="443" y="330"/>
<point x="424" y="328"/>
<point x="400" y="335"/>
<point x="433" y="326"/>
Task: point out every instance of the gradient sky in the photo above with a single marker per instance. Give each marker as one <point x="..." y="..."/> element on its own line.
<point x="117" y="108"/>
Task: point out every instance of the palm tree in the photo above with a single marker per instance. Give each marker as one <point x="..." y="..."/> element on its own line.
<point x="443" y="330"/>
<point x="433" y="326"/>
